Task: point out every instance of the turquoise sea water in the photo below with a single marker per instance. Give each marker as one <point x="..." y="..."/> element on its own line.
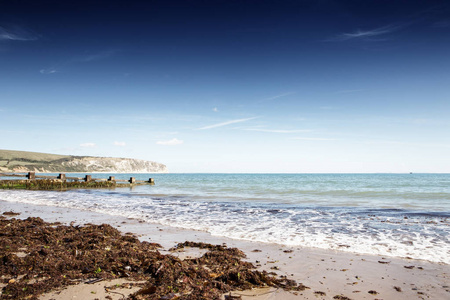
<point x="405" y="215"/>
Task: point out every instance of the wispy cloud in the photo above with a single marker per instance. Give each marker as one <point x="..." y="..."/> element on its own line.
<point x="278" y="96"/>
<point x="277" y="130"/>
<point x="78" y="60"/>
<point x="120" y="144"/>
<point x="88" y="145"/>
<point x="368" y="34"/>
<point x="172" y="142"/>
<point x="215" y="109"/>
<point x="226" y="123"/>
<point x="96" y="56"/>
<point x="16" y="33"/>
<point x="48" y="71"/>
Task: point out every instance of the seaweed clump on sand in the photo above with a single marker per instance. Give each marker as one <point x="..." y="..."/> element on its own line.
<point x="37" y="257"/>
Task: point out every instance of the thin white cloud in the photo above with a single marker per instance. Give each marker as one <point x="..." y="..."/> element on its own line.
<point x="88" y="145"/>
<point x="312" y="139"/>
<point x="278" y="96"/>
<point x="226" y="123"/>
<point x="215" y="109"/>
<point x="277" y="130"/>
<point x="120" y="144"/>
<point x="16" y="33"/>
<point x="77" y="60"/>
<point x="172" y="142"/>
<point x="96" y="56"/>
<point x="47" y="71"/>
<point x="366" y="34"/>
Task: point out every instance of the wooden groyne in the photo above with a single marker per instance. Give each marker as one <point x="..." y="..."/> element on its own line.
<point x="61" y="181"/>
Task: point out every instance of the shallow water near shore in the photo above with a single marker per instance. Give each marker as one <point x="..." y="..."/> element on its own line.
<point x="404" y="215"/>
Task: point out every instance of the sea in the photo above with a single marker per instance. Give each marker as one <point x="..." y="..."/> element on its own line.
<point x="393" y="215"/>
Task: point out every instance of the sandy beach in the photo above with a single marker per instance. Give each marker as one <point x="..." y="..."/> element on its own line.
<point x="223" y="150"/>
<point x="327" y="273"/>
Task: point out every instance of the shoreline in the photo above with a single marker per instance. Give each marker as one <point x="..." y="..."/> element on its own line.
<point x="327" y="272"/>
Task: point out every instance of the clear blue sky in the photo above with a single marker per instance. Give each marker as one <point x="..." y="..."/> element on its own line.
<point x="230" y="86"/>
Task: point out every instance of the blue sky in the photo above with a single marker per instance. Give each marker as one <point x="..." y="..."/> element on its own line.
<point x="230" y="86"/>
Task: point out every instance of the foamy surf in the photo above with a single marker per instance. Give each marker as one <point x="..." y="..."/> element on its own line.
<point x="419" y="229"/>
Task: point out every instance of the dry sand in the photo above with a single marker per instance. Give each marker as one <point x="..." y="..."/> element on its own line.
<point x="328" y="273"/>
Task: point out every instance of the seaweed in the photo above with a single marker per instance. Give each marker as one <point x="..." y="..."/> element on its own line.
<point x="37" y="257"/>
<point x="53" y="184"/>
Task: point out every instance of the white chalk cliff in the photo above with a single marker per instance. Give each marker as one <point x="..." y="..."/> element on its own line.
<point x="114" y="165"/>
<point x="23" y="161"/>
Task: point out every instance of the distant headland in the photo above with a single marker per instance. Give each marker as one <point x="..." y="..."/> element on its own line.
<point x="24" y="161"/>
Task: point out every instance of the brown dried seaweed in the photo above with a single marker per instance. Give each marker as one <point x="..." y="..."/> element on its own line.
<point x="37" y="257"/>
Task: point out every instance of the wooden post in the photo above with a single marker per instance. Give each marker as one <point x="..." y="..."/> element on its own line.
<point x="112" y="178"/>
<point x="88" y="178"/>
<point x="132" y="180"/>
<point x="151" y="180"/>
<point x="31" y="175"/>
<point x="62" y="176"/>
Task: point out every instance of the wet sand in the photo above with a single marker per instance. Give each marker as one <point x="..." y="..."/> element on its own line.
<point x="327" y="273"/>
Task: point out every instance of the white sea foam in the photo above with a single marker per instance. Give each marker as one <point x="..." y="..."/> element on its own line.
<point x="357" y="229"/>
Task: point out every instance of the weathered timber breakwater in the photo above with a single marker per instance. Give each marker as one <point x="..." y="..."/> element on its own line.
<point x="63" y="182"/>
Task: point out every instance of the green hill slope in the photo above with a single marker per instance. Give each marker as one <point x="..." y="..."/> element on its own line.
<point x="29" y="156"/>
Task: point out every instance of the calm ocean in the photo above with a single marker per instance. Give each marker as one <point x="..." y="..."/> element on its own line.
<point x="405" y="215"/>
